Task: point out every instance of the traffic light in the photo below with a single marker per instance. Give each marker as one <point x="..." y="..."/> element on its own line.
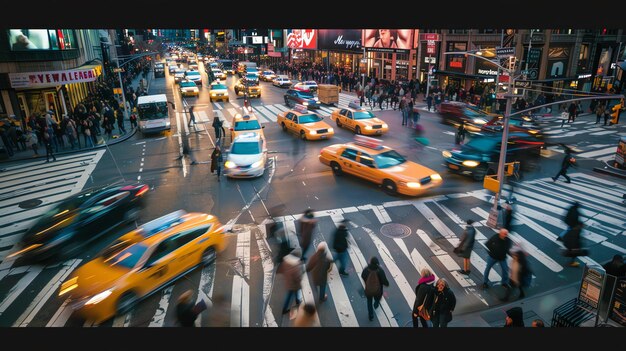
<point x="615" y="113"/>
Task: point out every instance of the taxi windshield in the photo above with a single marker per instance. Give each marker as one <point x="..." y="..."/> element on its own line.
<point x="187" y="84"/>
<point x="126" y="258"/>
<point x="389" y="159"/>
<point x="363" y="115"/>
<point x="247" y="148"/>
<point x="247" y="125"/>
<point x="218" y="86"/>
<point x="193" y="73"/>
<point x="305" y="95"/>
<point x="482" y="144"/>
<point x="312" y="118"/>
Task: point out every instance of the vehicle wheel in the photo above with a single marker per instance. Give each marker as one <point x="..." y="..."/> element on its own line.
<point x="209" y="256"/>
<point x="126" y="302"/>
<point x="390" y="187"/>
<point x="336" y="168"/>
<point x="357" y="130"/>
<point x="302" y="135"/>
<point x="284" y="127"/>
<point x="259" y="96"/>
<point x="338" y="123"/>
<point x="131" y="215"/>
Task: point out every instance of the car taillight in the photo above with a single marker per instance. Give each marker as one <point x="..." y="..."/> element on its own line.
<point x="142" y="191"/>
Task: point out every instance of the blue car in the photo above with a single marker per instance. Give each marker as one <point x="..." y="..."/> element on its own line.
<point x="294" y="97"/>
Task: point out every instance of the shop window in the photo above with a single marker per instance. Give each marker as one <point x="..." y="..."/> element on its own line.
<point x="3" y="110"/>
<point x="562" y="31"/>
<point x="488" y="31"/>
<point x="459" y="31"/>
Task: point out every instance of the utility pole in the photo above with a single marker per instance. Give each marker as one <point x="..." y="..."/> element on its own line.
<point x="119" y="76"/>
<point x="530" y="42"/>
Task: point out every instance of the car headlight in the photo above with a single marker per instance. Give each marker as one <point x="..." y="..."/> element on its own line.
<point x="257" y="164"/>
<point x="435" y="176"/>
<point x="368" y="127"/>
<point x="413" y="185"/>
<point x="446" y="154"/>
<point x="470" y="163"/>
<point x="532" y="131"/>
<point x="68" y="286"/>
<point x="305" y="103"/>
<point x="313" y="132"/>
<point x="331" y="130"/>
<point x="213" y="93"/>
<point x="316" y="99"/>
<point x="230" y="164"/>
<point x="99" y="297"/>
<point x="167" y="123"/>
<point x="385" y="125"/>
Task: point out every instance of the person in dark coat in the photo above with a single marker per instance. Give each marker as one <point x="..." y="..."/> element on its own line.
<point x="192" y="119"/>
<point x="424" y="296"/>
<point x="48" y="143"/>
<point x="508" y="216"/>
<point x="320" y="265"/>
<point x="572" y="243"/>
<point x="293" y="270"/>
<point x="459" y="137"/>
<point x="216" y="161"/>
<point x="514" y="317"/>
<point x="466" y="245"/>
<point x="568" y="161"/>
<point x="521" y="274"/>
<point x="307" y="225"/>
<point x="498" y="246"/>
<point x="616" y="266"/>
<point x="374" y="268"/>
<point x="571" y="219"/>
<point x="187" y="311"/>
<point x="340" y="245"/>
<point x="217" y="127"/>
<point x="444" y="304"/>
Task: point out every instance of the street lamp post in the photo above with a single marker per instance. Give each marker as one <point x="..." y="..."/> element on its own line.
<point x="119" y="76"/>
<point x="493" y="215"/>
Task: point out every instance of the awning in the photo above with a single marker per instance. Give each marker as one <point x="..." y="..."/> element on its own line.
<point x="47" y="79"/>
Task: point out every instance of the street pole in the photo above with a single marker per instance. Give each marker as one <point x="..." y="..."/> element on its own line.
<point x="119" y="76"/>
<point x="363" y="74"/>
<point x="492" y="221"/>
<point x="530" y="42"/>
<point x="428" y="77"/>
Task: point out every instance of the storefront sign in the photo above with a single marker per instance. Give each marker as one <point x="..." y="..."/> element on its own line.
<point x="591" y="285"/>
<point x="534" y="58"/>
<point x="302" y="39"/>
<point x="339" y="39"/>
<point x="48" y="78"/>
<point x="431" y="46"/>
<point x="583" y="76"/>
<point x="557" y="68"/>
<point x="485" y="68"/>
<point x="505" y="52"/>
<point x="430" y="37"/>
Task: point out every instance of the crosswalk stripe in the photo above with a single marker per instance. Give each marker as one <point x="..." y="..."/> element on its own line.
<point x="159" y="315"/>
<point x="281" y="107"/>
<point x="240" y="309"/>
<point x="384" y="314"/>
<point x="39" y="168"/>
<point x="262" y="111"/>
<point x="615" y="190"/>
<point x="449" y="235"/>
<point x="205" y="289"/>
<point x="232" y="111"/>
<point x="608" y="158"/>
<point x="395" y="272"/>
<point x="61" y="316"/>
<point x="590" y="154"/>
<point x="268" y="275"/>
<point x="274" y="110"/>
<point x="614" y="247"/>
<point x="598" y="180"/>
<point x="326" y="109"/>
<point x="18" y="288"/>
<point x="584" y="192"/>
<point x="39" y="193"/>
<point x="604" y="132"/>
<point x="217" y="106"/>
<point x="122" y="321"/>
<point x="445" y="259"/>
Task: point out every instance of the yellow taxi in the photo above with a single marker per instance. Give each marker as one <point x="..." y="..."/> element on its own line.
<point x="218" y="92"/>
<point x="359" y="121"/>
<point x="141" y="262"/>
<point x="254" y="89"/>
<point x="308" y="125"/>
<point x="246" y="124"/>
<point x="367" y="158"/>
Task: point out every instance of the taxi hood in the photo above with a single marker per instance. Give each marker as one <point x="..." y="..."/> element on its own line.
<point x="410" y="171"/>
<point x="316" y="125"/>
<point x="96" y="276"/>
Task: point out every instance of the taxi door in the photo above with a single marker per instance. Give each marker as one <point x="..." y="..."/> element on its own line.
<point x="348" y="162"/>
<point x="158" y="268"/>
<point x="292" y="122"/>
<point x="188" y="254"/>
<point x="350" y="120"/>
<point x="341" y="116"/>
<point x="365" y="167"/>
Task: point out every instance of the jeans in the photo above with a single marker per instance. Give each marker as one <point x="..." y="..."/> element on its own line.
<point x="505" y="270"/>
<point x="342" y="258"/>
<point x="290" y="293"/>
<point x="370" y="308"/>
<point x="439" y="322"/>
<point x="405" y="117"/>
<point x="417" y="320"/>
<point x="322" y="291"/>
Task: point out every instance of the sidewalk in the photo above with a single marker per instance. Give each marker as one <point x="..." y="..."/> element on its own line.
<point x="28" y="154"/>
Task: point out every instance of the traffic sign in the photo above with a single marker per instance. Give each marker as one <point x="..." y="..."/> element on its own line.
<point x="117" y="91"/>
<point x="430" y="36"/>
<point x="505" y="52"/>
<point x="430" y="59"/>
<point x="118" y="70"/>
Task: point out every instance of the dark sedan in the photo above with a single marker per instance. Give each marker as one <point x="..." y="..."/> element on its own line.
<point x="69" y="226"/>
<point x="480" y="156"/>
<point x="294" y="97"/>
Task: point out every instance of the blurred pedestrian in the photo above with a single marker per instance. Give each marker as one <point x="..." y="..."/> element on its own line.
<point x="599" y="112"/>
<point x="424" y="297"/>
<point x="192" y="119"/>
<point x="307" y="225"/>
<point x="459" y="137"/>
<point x="292" y="270"/>
<point x="498" y="246"/>
<point x="219" y="313"/>
<point x="616" y="266"/>
<point x="466" y="245"/>
<point x="573" y="245"/>
<point x="306" y="317"/>
<point x="571" y="219"/>
<point x="429" y="101"/>
<point x="32" y="141"/>
<point x="537" y="323"/>
<point x="374" y="278"/>
<point x="216" y="161"/>
<point x="187" y="311"/>
<point x="508" y="216"/>
<point x="48" y="143"/>
<point x="514" y="317"/>
<point x="320" y="265"/>
<point x="568" y="161"/>
<point x="444" y="304"/>
<point x="521" y="274"/>
<point x="217" y="127"/>
<point x="340" y="245"/>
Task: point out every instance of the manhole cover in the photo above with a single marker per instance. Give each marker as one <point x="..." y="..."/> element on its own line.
<point x="30" y="203"/>
<point x="395" y="230"/>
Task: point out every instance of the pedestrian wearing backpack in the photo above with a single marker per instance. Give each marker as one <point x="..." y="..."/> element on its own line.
<point x="424" y="297"/>
<point x="374" y="278"/>
<point x="320" y="265"/>
<point x="340" y="245"/>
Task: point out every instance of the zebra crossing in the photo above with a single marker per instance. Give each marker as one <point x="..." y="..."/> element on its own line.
<point x="243" y="281"/>
<point x="554" y="130"/>
<point x="600" y="152"/>
<point x="29" y="189"/>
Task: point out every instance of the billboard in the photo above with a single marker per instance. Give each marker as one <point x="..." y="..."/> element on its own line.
<point x="339" y="39"/>
<point x="388" y="40"/>
<point x="302" y="39"/>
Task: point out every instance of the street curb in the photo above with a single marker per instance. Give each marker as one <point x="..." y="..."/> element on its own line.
<point x="69" y="152"/>
<point x="611" y="171"/>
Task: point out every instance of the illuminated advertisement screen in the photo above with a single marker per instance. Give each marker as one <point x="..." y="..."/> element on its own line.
<point x="388" y="39"/>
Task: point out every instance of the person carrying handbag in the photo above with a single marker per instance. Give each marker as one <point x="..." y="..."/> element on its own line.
<point x="424" y="297"/>
<point x="444" y="304"/>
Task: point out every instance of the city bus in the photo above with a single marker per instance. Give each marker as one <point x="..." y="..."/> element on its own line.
<point x="153" y="113"/>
